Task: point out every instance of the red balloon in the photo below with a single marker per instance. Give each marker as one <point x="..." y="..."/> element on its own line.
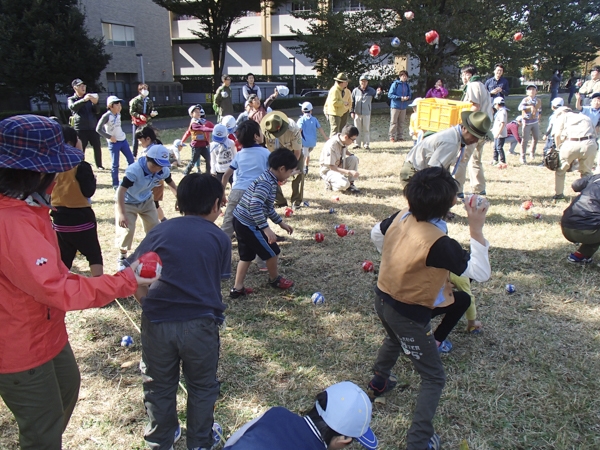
<point x="150" y="265"/>
<point x="432" y="37"/>
<point x="367" y="266"/>
<point x="374" y="50"/>
<point x="319" y="237"/>
<point x="518" y="36"/>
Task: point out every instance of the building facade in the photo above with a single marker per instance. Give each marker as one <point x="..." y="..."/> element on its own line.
<point x="137" y="35"/>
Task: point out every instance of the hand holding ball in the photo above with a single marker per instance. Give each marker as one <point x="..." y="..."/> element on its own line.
<point x="150" y="265"/>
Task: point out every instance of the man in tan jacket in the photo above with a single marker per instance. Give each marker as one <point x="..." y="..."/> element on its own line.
<point x="338" y="104"/>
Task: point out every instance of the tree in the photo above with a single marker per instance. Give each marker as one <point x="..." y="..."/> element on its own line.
<point x="562" y="34"/>
<point x="339" y="42"/>
<point x="44" y="46"/>
<point x="215" y="19"/>
<point x="466" y="27"/>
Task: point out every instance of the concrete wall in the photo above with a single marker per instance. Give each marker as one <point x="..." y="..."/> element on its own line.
<point x="152" y="37"/>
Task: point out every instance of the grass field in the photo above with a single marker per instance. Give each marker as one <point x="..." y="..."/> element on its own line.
<point x="529" y="381"/>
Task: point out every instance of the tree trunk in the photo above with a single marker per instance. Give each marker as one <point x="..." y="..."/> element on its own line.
<point x="217" y="66"/>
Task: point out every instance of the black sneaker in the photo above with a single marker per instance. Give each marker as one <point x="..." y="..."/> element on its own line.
<point x="374" y="392"/>
<point x="558" y="197"/>
<point x="237" y="293"/>
<point x="121" y="262"/>
<point x="353" y="189"/>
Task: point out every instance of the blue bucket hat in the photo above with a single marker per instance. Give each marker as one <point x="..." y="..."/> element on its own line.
<point x="36" y="143"/>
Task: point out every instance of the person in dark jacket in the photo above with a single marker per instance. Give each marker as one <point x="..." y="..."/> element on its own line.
<point x="84" y="110"/>
<point x="580" y="222"/>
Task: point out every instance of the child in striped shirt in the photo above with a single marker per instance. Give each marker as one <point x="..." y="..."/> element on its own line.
<point x="250" y="222"/>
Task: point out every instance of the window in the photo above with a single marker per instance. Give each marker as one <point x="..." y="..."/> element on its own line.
<point x="348" y="5"/>
<point x="302" y="6"/>
<point x="119" y="35"/>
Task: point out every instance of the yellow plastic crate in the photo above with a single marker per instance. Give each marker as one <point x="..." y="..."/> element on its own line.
<point x="436" y="114"/>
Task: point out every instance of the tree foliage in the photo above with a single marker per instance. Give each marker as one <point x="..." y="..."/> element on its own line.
<point x="215" y="19"/>
<point x="479" y="32"/>
<point x="562" y="34"/>
<point x="347" y="51"/>
<point x="44" y="46"/>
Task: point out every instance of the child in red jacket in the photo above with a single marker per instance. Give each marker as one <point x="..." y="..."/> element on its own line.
<point x="200" y="130"/>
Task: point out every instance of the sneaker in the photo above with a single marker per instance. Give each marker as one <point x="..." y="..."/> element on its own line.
<point x="237" y="293"/>
<point x="373" y="391"/>
<point x="296" y="207"/>
<point x="435" y="443"/>
<point x="305" y="170"/>
<point x="367" y="147"/>
<point x="445" y="346"/>
<point x="523" y="160"/>
<point x="328" y="186"/>
<point x="281" y="283"/>
<point x="531" y="155"/>
<point x="121" y="262"/>
<point x="177" y="434"/>
<point x="353" y="189"/>
<point x="493" y="163"/>
<point x="573" y="258"/>
<point x="355" y="146"/>
<point x="482" y="193"/>
<point x="392" y="139"/>
<point x="217" y="434"/>
<point x="558" y="197"/>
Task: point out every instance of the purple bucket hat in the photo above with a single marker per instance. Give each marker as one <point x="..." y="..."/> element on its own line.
<point x="36" y="143"/>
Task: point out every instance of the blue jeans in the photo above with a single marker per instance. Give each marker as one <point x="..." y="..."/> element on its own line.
<point x="499" y="150"/>
<point x="513" y="143"/>
<point x="115" y="149"/>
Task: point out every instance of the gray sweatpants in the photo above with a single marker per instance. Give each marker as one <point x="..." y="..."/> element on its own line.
<point x="165" y="345"/>
<point x="417" y="342"/>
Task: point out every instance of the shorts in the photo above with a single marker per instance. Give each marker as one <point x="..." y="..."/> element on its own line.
<point x="158" y="191"/>
<point x="253" y="242"/>
<point x="86" y="242"/>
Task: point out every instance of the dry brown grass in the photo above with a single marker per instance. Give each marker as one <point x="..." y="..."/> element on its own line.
<point x="530" y="381"/>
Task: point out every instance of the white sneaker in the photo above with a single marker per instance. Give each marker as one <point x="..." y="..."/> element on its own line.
<point x="121" y="262"/>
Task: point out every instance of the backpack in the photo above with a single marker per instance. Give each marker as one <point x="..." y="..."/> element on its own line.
<point x="552" y="159"/>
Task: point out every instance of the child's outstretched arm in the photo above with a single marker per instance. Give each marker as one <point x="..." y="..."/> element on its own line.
<point x="478" y="267"/>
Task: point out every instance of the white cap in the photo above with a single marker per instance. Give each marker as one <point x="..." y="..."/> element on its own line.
<point x="178" y="143"/>
<point x="348" y="413"/>
<point x="306" y="106"/>
<point x="499" y="100"/>
<point x="558" y="102"/>
<point x="416" y="101"/>
<point x="230" y="123"/>
<point x="160" y="154"/>
<point x="283" y="90"/>
<point x="112" y="99"/>
<point x="219" y="133"/>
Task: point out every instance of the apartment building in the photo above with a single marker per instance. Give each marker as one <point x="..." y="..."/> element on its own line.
<point x="137" y="35"/>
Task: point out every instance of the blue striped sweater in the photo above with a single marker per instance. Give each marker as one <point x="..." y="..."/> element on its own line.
<point x="257" y="202"/>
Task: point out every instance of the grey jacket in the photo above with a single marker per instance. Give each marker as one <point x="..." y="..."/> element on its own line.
<point x="361" y="100"/>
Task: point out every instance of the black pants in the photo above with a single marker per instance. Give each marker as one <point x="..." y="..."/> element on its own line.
<point x="196" y="153"/>
<point x="90" y="136"/>
<point x="85" y="241"/>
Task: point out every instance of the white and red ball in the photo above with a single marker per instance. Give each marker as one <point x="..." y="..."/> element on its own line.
<point x="341" y="230"/>
<point x="432" y="37"/>
<point x="374" y="50"/>
<point x="518" y="36"/>
<point x="367" y="266"/>
<point x="319" y="237"/>
<point x="150" y="265"/>
<point x="288" y="212"/>
<point x="409" y="15"/>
